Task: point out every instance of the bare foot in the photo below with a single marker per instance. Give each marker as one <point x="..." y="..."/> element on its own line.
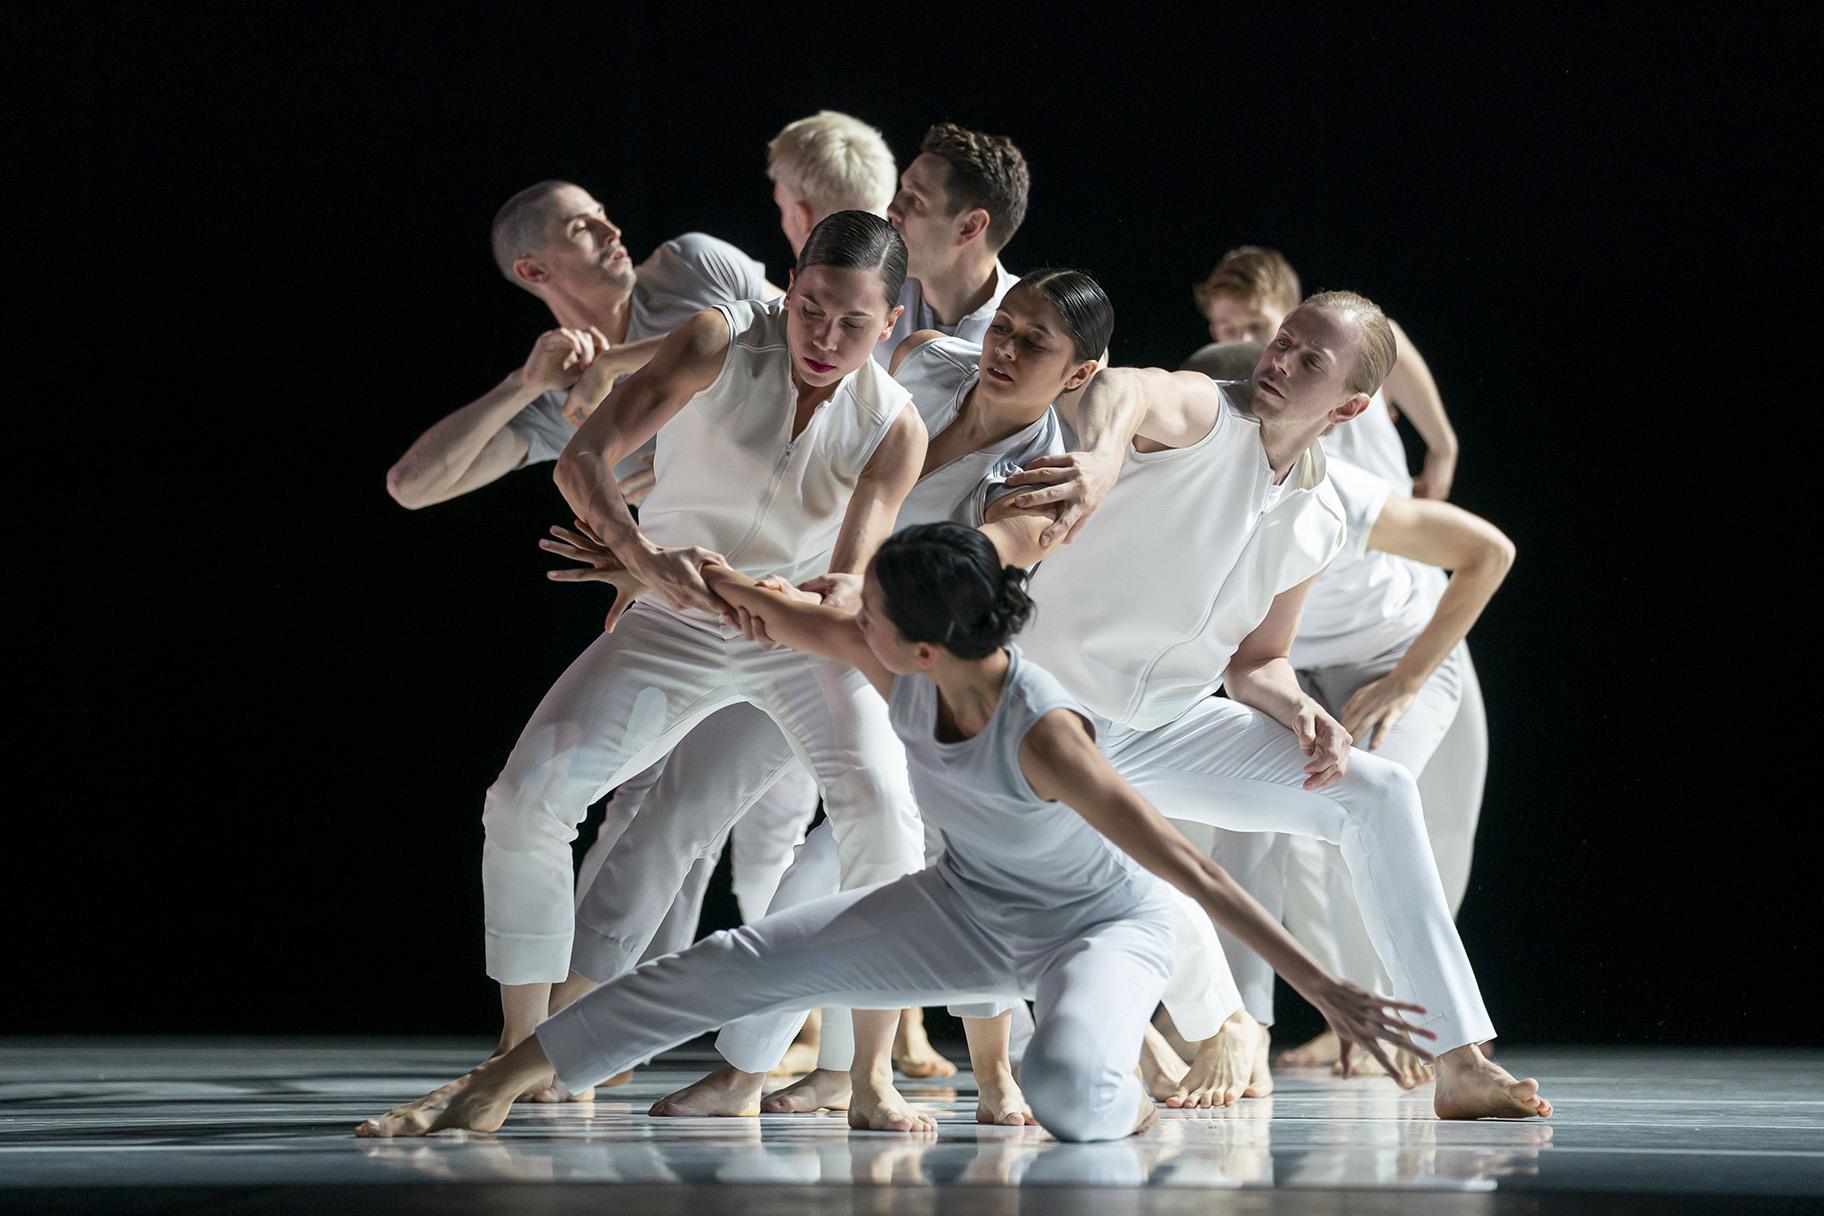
<point x="1260" y="1080"/>
<point x="726" y="1091"/>
<point x="801" y="1056"/>
<point x="1471" y="1086"/>
<point x="1321" y="1052"/>
<point x="557" y="1091"/>
<point x="476" y="1102"/>
<point x="1409" y="1071"/>
<point x="1224" y="1065"/>
<point x="1161" y="1070"/>
<point x="1162" y="1022"/>
<point x="876" y="1106"/>
<point x="819" y="1089"/>
<point x="913" y="1054"/>
<point x="1000" y="1101"/>
<point x="1149" y="1116"/>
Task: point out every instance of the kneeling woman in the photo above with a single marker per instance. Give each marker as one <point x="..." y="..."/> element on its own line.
<point x="1042" y="888"/>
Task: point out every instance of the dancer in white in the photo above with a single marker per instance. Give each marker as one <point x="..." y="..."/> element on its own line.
<point x="787" y="449"/>
<point x="988" y="411"/>
<point x="1233" y="474"/>
<point x="555" y="241"/>
<point x="826" y="163"/>
<point x="1042" y="889"/>
<point x="960" y="201"/>
<point x="1245" y="298"/>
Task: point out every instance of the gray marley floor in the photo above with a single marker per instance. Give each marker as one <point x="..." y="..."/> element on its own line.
<point x="244" y="1125"/>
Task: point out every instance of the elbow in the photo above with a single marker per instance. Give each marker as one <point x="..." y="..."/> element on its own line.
<point x="1501" y="554"/>
<point x="404" y="489"/>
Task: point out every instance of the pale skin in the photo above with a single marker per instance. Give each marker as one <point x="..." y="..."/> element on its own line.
<point x="1027" y="361"/>
<point x="835" y="316"/>
<point x="1058" y="758"/>
<point x="948" y="247"/>
<point x="1409" y="388"/>
<point x="1300" y="389"/>
<point x="585" y="276"/>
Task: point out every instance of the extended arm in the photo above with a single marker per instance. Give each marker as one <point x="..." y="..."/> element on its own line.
<point x="687" y="362"/>
<point x="1119" y="404"/>
<point x="818" y="628"/>
<point x="1479" y="556"/>
<point x="1410" y="386"/>
<point x="1061" y="764"/>
<point x="880" y="490"/>
<point x="1260" y="675"/>
<point x="474" y="446"/>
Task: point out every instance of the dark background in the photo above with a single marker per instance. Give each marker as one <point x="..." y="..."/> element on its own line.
<point x="260" y="702"/>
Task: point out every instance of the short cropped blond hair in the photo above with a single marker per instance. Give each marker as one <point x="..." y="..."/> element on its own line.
<point x="1378" y="347"/>
<point x="834" y="162"/>
<point x="1253" y="275"/>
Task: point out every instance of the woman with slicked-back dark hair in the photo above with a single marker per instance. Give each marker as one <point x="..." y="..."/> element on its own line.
<point x="1046" y="887"/>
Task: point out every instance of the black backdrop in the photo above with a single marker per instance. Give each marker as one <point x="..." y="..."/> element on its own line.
<point x="261" y="701"/>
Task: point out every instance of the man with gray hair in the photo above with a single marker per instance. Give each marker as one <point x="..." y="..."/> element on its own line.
<point x="556" y="241"/>
<point x="826" y="163"/>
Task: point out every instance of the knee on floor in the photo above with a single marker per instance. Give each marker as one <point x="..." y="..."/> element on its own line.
<point x="1067" y="1083"/>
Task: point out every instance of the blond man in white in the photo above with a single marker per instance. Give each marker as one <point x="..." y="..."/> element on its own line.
<point x="826" y="163"/>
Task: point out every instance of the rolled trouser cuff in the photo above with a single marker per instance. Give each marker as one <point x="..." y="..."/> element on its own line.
<point x="527" y="959"/>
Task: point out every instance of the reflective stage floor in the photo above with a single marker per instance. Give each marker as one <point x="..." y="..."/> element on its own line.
<point x="236" y="1125"/>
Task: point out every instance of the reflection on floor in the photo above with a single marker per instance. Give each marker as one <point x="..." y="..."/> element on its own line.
<point x="182" y="1114"/>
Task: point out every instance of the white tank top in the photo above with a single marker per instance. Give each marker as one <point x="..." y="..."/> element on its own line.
<point x="1140" y="616"/>
<point x="1371" y="441"/>
<point x="731" y="478"/>
<point x="940" y="375"/>
<point x="1366" y="604"/>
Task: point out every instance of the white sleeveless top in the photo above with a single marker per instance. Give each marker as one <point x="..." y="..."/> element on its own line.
<point x="1366" y="604"/>
<point x="731" y="478"/>
<point x="940" y="375"/>
<point x="1140" y="616"/>
<point x="1371" y="441"/>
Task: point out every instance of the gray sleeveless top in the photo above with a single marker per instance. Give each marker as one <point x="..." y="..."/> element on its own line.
<point x="1026" y="867"/>
<point x="939" y="375"/>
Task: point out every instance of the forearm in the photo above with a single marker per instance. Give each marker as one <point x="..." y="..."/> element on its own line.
<point x="799" y="624"/>
<point x="1411" y="387"/>
<point x="1465" y="596"/>
<point x="1269" y="685"/>
<point x="1109" y="412"/>
<point x="436" y="462"/>
<point x="585" y="476"/>
<point x="869" y="521"/>
<point x="1177" y="861"/>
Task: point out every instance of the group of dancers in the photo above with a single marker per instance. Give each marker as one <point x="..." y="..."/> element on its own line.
<point x="1120" y="689"/>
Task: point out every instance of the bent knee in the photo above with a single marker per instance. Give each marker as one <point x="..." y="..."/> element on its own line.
<point x="1068" y="1084"/>
<point x="1378" y="786"/>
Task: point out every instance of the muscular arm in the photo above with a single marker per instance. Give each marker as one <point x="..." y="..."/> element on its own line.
<point x="465" y="450"/>
<point x="1477" y="553"/>
<point x="593" y="388"/>
<point x="882" y="487"/>
<point x="1410" y="386"/>
<point x="1061" y="763"/>
<point x="1119" y="406"/>
<point x="687" y="362"/>
<point x="1260" y="676"/>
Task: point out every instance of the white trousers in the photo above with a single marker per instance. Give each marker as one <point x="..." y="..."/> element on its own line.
<point x="1232" y="767"/>
<point x="1304" y="880"/>
<point x="639" y="893"/>
<point x="910" y="942"/>
<point x="627" y="700"/>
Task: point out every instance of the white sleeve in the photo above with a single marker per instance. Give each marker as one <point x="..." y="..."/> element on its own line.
<point x="721" y="272"/>
<point x="1362" y="495"/>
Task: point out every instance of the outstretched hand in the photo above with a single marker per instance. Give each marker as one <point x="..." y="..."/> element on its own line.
<point x="599" y="565"/>
<point x="1366" y="1019"/>
<point x="1072" y="486"/>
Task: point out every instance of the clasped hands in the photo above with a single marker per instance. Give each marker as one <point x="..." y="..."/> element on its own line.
<point x="676" y="576"/>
